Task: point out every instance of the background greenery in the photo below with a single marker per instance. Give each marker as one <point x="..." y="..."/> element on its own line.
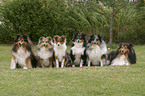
<point x="51" y="17"/>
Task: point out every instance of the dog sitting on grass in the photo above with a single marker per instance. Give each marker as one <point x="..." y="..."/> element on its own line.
<point x="45" y="51"/>
<point x="124" y="55"/>
<point x="22" y="54"/>
<point x="96" y="47"/>
<point x="77" y="52"/>
<point x="59" y="50"/>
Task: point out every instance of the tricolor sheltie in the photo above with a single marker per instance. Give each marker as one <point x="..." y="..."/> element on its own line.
<point x="59" y="50"/>
<point x="45" y="51"/>
<point x="77" y="51"/>
<point x="96" y="47"/>
<point x="124" y="55"/>
<point x="22" y="55"/>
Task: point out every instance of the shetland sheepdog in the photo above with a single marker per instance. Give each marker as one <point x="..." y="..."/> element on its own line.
<point x="59" y="50"/>
<point x="22" y="54"/>
<point x="96" y="47"/>
<point x="124" y="55"/>
<point x="77" y="51"/>
<point x="45" y="51"/>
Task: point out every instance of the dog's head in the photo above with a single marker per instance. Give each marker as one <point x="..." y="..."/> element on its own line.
<point x="78" y="38"/>
<point x="95" y="39"/>
<point x="21" y="40"/>
<point x="124" y="48"/>
<point x="45" y="42"/>
<point x="59" y="40"/>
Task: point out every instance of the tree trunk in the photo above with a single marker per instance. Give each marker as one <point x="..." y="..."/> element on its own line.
<point x="111" y="33"/>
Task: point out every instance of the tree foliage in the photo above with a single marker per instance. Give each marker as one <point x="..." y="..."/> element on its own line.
<point x="64" y="17"/>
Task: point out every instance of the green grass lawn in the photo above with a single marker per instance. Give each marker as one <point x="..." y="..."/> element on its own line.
<point x="86" y="81"/>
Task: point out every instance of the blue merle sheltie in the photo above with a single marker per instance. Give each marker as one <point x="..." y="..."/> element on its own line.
<point x="22" y="54"/>
<point x="124" y="55"/>
<point x="59" y="50"/>
<point x="77" y="51"/>
<point x="96" y="47"/>
<point x="45" y="51"/>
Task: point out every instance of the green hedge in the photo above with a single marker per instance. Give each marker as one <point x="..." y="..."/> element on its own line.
<point x="54" y="17"/>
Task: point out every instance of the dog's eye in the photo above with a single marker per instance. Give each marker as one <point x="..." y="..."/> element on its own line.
<point x="46" y="41"/>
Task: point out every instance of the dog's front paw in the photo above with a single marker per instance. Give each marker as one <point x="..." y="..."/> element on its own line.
<point x="25" y="67"/>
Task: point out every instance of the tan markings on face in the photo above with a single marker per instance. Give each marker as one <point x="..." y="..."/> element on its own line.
<point x="97" y="42"/>
<point x="21" y="43"/>
<point x="124" y="50"/>
<point x="44" y="43"/>
<point x="92" y="43"/>
<point x="78" y="41"/>
<point x="59" y="39"/>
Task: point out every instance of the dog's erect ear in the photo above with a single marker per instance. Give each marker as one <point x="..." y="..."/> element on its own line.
<point x="40" y="39"/>
<point x="131" y="45"/>
<point x="17" y="36"/>
<point x="100" y="37"/>
<point x="83" y="34"/>
<point x="64" y="37"/>
<point x="120" y="45"/>
<point x="25" y="36"/>
<point x="75" y="35"/>
<point x="55" y="37"/>
<point x="49" y="39"/>
<point x="91" y="36"/>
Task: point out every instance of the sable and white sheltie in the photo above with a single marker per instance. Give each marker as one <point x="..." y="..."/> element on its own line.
<point x="59" y="50"/>
<point x="96" y="47"/>
<point x="22" y="55"/>
<point x="124" y="55"/>
<point x="45" y="51"/>
<point x="77" y="52"/>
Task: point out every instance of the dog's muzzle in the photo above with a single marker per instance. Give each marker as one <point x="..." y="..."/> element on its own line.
<point x="20" y="44"/>
<point x="122" y="51"/>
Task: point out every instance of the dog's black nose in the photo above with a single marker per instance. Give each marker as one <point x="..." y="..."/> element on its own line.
<point x="122" y="51"/>
<point x="58" y="44"/>
<point x="20" y="44"/>
<point x="43" y="44"/>
<point x="95" y="43"/>
<point x="78" y="41"/>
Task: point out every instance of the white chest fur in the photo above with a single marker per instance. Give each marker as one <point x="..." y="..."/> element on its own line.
<point x="21" y="56"/>
<point x="78" y="50"/>
<point x="94" y="54"/>
<point x="120" y="60"/>
<point x="45" y="54"/>
<point x="60" y="51"/>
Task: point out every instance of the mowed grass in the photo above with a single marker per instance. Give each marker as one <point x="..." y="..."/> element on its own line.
<point x="86" y="81"/>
